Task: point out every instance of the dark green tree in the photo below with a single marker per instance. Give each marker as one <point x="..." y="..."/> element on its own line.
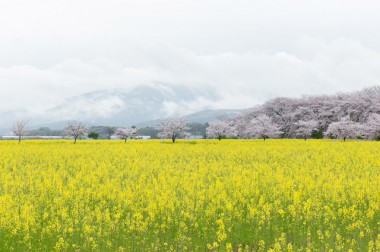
<point x="93" y="135"/>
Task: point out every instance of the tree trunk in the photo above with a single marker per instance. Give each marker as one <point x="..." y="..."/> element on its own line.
<point x="173" y="139"/>
<point x="264" y="139"/>
<point x="344" y="139"/>
<point x="19" y="139"/>
<point x="219" y="137"/>
<point x="75" y="140"/>
<point x="125" y="140"/>
<point x="305" y="137"/>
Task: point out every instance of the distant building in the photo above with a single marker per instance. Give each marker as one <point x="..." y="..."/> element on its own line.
<point x="196" y="137"/>
<point x="143" y="137"/>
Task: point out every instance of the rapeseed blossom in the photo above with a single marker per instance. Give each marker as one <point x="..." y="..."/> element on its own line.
<point x="232" y="195"/>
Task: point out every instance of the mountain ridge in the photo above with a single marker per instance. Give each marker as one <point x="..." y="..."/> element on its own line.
<point x="139" y="105"/>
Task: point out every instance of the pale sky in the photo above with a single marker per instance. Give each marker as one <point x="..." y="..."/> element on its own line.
<point x="247" y="50"/>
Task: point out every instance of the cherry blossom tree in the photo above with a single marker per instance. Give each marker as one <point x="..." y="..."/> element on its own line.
<point x="173" y="128"/>
<point x="281" y="111"/>
<point x="126" y="133"/>
<point x="344" y="128"/>
<point x="262" y="126"/>
<point x="240" y="125"/>
<point x="19" y="129"/>
<point x="306" y="128"/>
<point x="373" y="126"/>
<point x="75" y="130"/>
<point x="359" y="106"/>
<point x="219" y="129"/>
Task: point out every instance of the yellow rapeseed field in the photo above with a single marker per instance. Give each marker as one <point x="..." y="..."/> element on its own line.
<point x="232" y="195"/>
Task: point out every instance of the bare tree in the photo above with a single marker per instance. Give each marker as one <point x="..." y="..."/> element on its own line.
<point x="19" y="129"/>
<point x="219" y="129"/>
<point x="173" y="128"/>
<point x="262" y="127"/>
<point x="306" y="128"/>
<point x="75" y="129"/>
<point x="125" y="133"/>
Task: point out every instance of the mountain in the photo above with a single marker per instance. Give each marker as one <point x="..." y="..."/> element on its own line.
<point x="213" y="114"/>
<point x="203" y="116"/>
<point x="140" y="106"/>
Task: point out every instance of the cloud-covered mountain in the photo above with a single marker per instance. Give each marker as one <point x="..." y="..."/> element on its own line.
<point x="203" y="116"/>
<point x="142" y="105"/>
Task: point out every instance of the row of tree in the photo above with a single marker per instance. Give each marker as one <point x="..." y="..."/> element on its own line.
<point x="172" y="128"/>
<point x="349" y="115"/>
<point x="77" y="130"/>
<point x="263" y="127"/>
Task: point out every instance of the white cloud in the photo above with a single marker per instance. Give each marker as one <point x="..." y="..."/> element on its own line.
<point x="241" y="79"/>
<point x="248" y="51"/>
<point x="88" y="109"/>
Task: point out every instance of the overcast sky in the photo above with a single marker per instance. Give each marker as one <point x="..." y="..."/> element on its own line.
<point x="248" y="50"/>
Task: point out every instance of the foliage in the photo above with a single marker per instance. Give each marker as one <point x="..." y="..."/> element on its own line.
<point x="148" y="131"/>
<point x="44" y="131"/>
<point x="197" y="129"/>
<point x="281" y="195"/>
<point x="305" y="129"/>
<point x="93" y="135"/>
<point x="103" y="131"/>
<point x="317" y="134"/>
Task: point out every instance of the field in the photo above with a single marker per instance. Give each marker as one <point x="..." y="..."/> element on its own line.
<point x="232" y="195"/>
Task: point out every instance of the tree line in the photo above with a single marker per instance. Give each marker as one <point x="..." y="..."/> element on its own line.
<point x="342" y="116"/>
